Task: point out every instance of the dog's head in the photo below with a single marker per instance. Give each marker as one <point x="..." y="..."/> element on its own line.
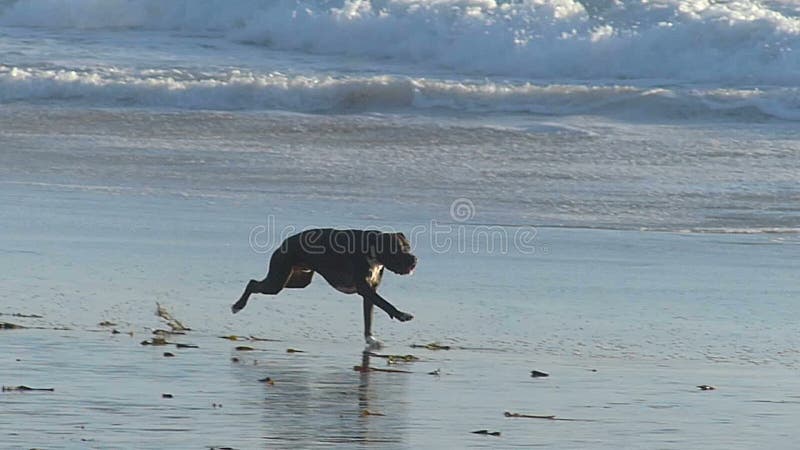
<point x="394" y="251"/>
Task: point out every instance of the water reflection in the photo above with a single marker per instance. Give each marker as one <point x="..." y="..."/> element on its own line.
<point x="319" y="401"/>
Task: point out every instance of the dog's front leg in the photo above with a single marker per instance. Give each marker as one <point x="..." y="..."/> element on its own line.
<point x="368" y="294"/>
<point x="372" y="342"/>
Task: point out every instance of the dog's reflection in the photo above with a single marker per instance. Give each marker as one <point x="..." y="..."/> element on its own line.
<point x="310" y="405"/>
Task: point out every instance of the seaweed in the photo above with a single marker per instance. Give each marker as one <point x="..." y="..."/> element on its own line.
<point x="24" y="389"/>
<point x="156" y="340"/>
<point x="172" y="322"/>
<point x="394" y="358"/>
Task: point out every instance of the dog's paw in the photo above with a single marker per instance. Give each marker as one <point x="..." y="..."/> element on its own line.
<point x="236" y="307"/>
<point x="403" y="316"/>
<point x="373" y="344"/>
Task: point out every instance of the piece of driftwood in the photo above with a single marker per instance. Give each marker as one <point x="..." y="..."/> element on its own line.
<point x="375" y="369"/>
<point x="528" y="416"/>
<point x="432" y="346"/>
<point x="486" y="432"/>
<point x="546" y="417"/>
<point x="25" y="389"/>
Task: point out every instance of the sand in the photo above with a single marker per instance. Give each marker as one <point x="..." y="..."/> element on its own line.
<point x="627" y="324"/>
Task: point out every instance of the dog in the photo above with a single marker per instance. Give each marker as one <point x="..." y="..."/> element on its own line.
<point x="352" y="261"/>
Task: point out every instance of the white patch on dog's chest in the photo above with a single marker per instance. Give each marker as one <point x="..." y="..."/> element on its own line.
<point x="375" y="274"/>
<point x="373" y="278"/>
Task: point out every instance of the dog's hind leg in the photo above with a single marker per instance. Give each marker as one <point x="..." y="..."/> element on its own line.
<point x="299" y="278"/>
<point x="280" y="269"/>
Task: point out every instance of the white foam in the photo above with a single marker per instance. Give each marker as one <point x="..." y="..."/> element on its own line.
<point x="243" y="90"/>
<point x="736" y="41"/>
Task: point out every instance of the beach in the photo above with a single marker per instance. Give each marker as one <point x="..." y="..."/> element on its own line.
<point x="604" y="192"/>
<point x="626" y="323"/>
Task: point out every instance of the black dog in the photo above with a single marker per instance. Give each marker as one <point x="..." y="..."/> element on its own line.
<point x="351" y="261"/>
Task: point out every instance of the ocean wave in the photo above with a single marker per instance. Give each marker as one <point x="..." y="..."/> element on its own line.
<point x="736" y="41"/>
<point x="243" y="90"/>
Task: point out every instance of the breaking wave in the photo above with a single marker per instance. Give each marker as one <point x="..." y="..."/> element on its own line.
<point x="735" y="41"/>
<point x="242" y="90"/>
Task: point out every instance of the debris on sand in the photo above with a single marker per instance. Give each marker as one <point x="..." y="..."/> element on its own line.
<point x="394" y="358"/>
<point x="538" y="374"/>
<point x="25" y="389"/>
<point x="486" y="432"/>
<point x="172" y="322"/>
<point x="546" y="417"/>
<point x="432" y="346"/>
<point x="254" y="338"/>
<point x="186" y="346"/>
<point x="268" y="380"/>
<point x="233" y="337"/>
<point x="294" y="350"/>
<point x="10" y="326"/>
<point x="366" y="412"/>
<point x="157" y="340"/>
<point x="375" y="369"/>
<point x="706" y="387"/>
<point x="528" y="416"/>
<point x="24" y="316"/>
<point x="160" y="332"/>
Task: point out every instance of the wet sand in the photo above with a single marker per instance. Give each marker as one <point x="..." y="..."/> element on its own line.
<point x="627" y="324"/>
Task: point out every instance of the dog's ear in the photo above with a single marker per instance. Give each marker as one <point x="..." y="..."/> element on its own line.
<point x="403" y="240"/>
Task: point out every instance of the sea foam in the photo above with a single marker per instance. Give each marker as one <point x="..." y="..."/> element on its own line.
<point x="243" y="90"/>
<point x="744" y="42"/>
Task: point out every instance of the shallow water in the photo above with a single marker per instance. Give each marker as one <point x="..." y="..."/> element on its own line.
<point x="317" y="399"/>
<point x="655" y="314"/>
